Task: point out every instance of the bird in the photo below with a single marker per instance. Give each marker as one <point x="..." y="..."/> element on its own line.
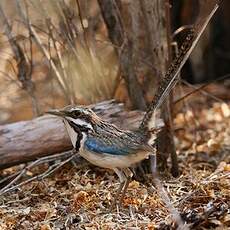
<point x="107" y="146"/>
<point x="104" y="144"/>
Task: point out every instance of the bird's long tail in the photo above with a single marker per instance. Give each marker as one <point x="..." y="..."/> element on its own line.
<point x="170" y="78"/>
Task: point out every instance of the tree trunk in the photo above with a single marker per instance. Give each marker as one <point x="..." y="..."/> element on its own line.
<point x="125" y="47"/>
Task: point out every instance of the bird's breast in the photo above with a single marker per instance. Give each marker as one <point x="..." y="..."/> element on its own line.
<point x="112" y="161"/>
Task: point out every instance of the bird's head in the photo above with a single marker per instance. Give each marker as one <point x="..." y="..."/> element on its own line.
<point x="79" y="121"/>
<point x="81" y="117"/>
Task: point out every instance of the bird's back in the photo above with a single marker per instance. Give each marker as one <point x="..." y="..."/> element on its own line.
<point x="112" y="140"/>
<point x="111" y="147"/>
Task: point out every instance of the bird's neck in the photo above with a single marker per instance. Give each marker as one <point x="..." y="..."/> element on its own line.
<point x="77" y="137"/>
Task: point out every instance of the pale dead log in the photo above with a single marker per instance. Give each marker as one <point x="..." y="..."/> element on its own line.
<point x="24" y="141"/>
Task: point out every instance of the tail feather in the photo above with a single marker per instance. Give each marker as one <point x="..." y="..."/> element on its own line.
<point x="170" y="79"/>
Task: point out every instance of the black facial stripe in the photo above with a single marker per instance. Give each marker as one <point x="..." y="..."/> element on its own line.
<point x="79" y="134"/>
<point x="82" y="128"/>
<point x="78" y="129"/>
<point x="78" y="142"/>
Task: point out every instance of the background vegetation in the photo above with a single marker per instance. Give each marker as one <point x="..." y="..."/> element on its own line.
<point x="60" y="52"/>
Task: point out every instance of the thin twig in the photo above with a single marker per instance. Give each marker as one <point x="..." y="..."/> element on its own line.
<point x="28" y="167"/>
<point x="165" y="198"/>
<point x="205" y="181"/>
<point x="25" y="70"/>
<point x="201" y="89"/>
<point x="8" y="178"/>
<point x="43" y="49"/>
<point x="82" y="25"/>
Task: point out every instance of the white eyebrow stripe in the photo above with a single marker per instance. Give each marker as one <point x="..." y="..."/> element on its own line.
<point x="79" y="110"/>
<point x="74" y="109"/>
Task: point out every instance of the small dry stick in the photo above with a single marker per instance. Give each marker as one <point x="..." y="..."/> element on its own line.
<point x="51" y="169"/>
<point x="165" y="198"/>
<point x="24" y="66"/>
<point x="201" y="90"/>
<point x="205" y="181"/>
<point x="39" y="43"/>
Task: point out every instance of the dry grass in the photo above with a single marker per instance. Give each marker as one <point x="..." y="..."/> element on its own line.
<point x="69" y="59"/>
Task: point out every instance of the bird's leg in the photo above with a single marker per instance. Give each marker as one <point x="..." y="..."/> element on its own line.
<point x="128" y="173"/>
<point x="123" y="179"/>
<point x="153" y="161"/>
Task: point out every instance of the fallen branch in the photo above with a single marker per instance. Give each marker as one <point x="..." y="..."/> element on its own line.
<point x="18" y="175"/>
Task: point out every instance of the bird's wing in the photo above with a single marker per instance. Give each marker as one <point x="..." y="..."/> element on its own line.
<point x="110" y="146"/>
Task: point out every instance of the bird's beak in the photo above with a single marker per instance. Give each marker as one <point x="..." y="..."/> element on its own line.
<point x="56" y="112"/>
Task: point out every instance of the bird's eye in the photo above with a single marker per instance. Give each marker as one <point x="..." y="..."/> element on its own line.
<point x="75" y="114"/>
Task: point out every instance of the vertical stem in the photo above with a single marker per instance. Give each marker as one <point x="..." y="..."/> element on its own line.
<point x="167" y="134"/>
<point x="111" y="12"/>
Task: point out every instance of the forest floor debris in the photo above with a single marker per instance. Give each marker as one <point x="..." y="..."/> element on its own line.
<point x="80" y="197"/>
